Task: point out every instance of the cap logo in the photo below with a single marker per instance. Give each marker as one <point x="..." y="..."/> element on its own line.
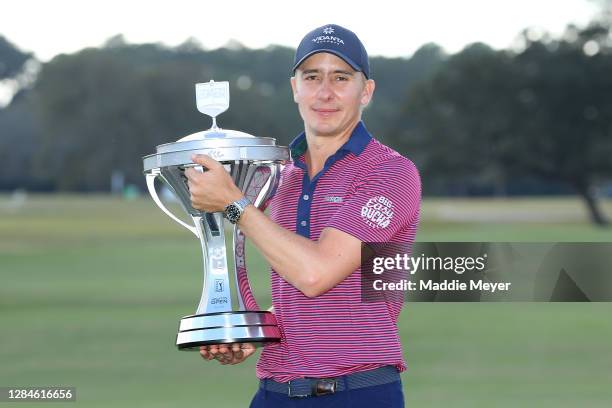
<point x="328" y="39"/>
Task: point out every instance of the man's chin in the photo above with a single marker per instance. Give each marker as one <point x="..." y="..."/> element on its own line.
<point x="324" y="131"/>
<point x="324" y="128"/>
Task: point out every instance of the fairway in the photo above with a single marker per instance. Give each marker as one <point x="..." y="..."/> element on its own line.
<point x="92" y="289"/>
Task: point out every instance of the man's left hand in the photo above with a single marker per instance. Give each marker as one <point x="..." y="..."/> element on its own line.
<point x="227" y="353"/>
<point x="213" y="189"/>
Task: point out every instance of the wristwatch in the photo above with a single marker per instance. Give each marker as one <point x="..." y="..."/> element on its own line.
<point x="234" y="210"/>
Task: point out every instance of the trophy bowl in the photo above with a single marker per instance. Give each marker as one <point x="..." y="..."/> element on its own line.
<point x="228" y="311"/>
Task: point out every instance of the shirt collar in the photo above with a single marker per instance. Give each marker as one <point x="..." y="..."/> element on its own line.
<point x="360" y="137"/>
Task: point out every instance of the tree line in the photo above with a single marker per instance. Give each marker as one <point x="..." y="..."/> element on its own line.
<point x="533" y="119"/>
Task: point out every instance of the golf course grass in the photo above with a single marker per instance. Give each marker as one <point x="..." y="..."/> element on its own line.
<point x="92" y="289"/>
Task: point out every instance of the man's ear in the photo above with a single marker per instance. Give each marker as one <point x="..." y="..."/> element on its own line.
<point x="293" y="88"/>
<point x="368" y="92"/>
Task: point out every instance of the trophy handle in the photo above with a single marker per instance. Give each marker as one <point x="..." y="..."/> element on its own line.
<point x="151" y="186"/>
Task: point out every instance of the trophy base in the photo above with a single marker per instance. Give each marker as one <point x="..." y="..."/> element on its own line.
<point x="227" y="327"/>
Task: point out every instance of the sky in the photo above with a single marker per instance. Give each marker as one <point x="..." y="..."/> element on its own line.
<point x="388" y="28"/>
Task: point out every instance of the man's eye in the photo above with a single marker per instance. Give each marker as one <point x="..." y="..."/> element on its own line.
<point x="341" y="78"/>
<point x="311" y="77"/>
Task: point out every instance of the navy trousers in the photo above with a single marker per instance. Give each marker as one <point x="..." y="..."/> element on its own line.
<point x="378" y="396"/>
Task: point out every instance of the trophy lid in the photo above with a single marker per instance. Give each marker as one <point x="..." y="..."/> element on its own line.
<point x="212" y="99"/>
<point x="214" y="139"/>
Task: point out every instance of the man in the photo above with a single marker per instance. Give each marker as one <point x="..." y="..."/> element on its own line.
<point x="342" y="189"/>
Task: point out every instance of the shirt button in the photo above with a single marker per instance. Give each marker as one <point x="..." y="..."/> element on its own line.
<point x="306" y="197"/>
<point x="303" y="223"/>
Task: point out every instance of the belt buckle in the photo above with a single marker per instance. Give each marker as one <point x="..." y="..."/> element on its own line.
<point x="324" y="386"/>
<point x="290" y="393"/>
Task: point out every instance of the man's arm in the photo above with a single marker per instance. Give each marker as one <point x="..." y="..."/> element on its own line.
<point x="313" y="267"/>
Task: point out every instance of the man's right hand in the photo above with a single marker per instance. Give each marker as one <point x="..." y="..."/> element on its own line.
<point x="227" y="353"/>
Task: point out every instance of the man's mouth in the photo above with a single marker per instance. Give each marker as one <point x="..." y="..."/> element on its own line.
<point x="325" y="111"/>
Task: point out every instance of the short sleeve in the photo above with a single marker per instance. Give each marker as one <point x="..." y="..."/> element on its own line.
<point x="385" y="200"/>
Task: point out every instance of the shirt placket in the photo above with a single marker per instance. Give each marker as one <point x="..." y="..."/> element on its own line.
<point x="306" y="198"/>
<point x="302" y="226"/>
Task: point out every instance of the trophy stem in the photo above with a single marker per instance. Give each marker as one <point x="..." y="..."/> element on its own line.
<point x="216" y="293"/>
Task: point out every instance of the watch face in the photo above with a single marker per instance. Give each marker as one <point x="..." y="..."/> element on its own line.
<point x="232" y="213"/>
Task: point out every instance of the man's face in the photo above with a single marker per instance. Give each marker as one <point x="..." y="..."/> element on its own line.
<point x="329" y="94"/>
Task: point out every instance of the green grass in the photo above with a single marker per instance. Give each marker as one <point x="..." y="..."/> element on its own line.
<point x="92" y="288"/>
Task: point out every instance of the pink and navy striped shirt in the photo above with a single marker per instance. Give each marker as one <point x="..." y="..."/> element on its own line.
<point x="371" y="192"/>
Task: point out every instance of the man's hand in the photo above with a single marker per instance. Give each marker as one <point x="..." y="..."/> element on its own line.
<point x="213" y="189"/>
<point x="227" y="353"/>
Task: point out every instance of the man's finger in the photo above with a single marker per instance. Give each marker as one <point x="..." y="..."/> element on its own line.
<point x="225" y="358"/>
<point x="206" y="353"/>
<point x="205" y="160"/>
<point x="248" y="349"/>
<point x="247" y="346"/>
<point x="189" y="173"/>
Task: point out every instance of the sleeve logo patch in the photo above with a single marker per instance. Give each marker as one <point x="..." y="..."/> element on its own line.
<point x="377" y="212"/>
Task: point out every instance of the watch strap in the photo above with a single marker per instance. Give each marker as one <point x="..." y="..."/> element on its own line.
<point x="242" y="203"/>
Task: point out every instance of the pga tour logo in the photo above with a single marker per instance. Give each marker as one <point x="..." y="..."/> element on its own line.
<point x="377" y="212"/>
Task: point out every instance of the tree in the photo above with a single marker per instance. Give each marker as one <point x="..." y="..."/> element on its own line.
<point x="458" y="115"/>
<point x="11" y="59"/>
<point x="543" y="112"/>
<point x="102" y="109"/>
<point x="570" y="112"/>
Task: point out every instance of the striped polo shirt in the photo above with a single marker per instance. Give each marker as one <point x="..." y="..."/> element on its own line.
<point x="371" y="192"/>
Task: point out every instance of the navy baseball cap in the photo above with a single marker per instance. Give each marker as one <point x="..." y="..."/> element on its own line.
<point x="336" y="40"/>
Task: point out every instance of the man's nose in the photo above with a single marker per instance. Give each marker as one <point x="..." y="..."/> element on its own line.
<point x="325" y="90"/>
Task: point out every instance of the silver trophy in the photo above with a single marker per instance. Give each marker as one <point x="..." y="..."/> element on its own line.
<point x="227" y="311"/>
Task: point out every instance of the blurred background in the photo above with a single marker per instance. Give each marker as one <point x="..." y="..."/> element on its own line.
<point x="505" y="107"/>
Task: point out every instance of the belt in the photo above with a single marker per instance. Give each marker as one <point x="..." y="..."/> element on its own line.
<point x="315" y="387"/>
